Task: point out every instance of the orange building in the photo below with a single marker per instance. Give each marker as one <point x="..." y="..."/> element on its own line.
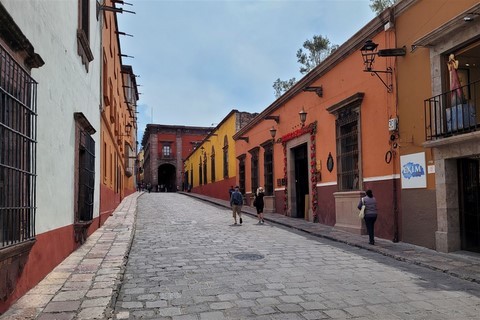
<point x="326" y="140"/>
<point x="439" y="123"/>
<point x="118" y="120"/>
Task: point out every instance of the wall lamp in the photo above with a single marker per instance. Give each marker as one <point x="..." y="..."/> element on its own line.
<point x="276" y="118"/>
<point x="317" y="90"/>
<point x="243" y="138"/>
<point x="369" y="52"/>
<point x="303" y="116"/>
<point x="273" y="132"/>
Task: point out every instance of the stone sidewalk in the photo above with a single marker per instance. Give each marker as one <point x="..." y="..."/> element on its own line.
<point x="462" y="264"/>
<point x="86" y="283"/>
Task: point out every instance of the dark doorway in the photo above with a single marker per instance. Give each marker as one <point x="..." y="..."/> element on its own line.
<point x="167" y="178"/>
<point x="469" y="203"/>
<point x="300" y="156"/>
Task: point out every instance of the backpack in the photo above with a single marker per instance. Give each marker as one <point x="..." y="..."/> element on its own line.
<point x="236" y="201"/>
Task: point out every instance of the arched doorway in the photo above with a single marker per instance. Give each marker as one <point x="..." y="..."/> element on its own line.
<point x="167" y="178"/>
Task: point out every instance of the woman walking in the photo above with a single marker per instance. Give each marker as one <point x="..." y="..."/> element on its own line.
<point x="259" y="204"/>
<point x="370" y="214"/>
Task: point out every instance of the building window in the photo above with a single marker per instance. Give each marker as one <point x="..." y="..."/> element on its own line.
<point x="166" y="151"/>
<point x="212" y="168"/>
<point x="205" y="181"/>
<point x="191" y="177"/>
<point x="268" y="168"/>
<point x="241" y="173"/>
<point x="254" y="168"/>
<point x="18" y="152"/>
<point x="347" y="150"/>
<point x="200" y="172"/>
<point x="225" y="157"/>
<point x="86" y="177"/>
<point x="83" y="32"/>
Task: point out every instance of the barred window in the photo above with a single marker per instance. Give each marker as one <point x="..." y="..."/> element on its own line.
<point x="200" y="174"/>
<point x="254" y="168"/>
<point x="225" y="157"/>
<point x="86" y="177"/>
<point x="268" y="168"/>
<point x="212" y="167"/>
<point x="18" y="152"/>
<point x="347" y="154"/>
<point x="205" y="169"/>
<point x="241" y="173"/>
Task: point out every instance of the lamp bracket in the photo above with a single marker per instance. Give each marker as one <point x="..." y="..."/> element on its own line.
<point x="276" y="118"/>
<point x="376" y="72"/>
<point x="317" y="90"/>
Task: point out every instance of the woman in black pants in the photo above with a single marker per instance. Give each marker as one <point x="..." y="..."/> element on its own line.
<point x="370" y="214"/>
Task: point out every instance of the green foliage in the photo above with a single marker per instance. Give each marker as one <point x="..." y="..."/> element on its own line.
<point x="281" y="86"/>
<point x="314" y="51"/>
<point x="378" y="6"/>
<point x="317" y="50"/>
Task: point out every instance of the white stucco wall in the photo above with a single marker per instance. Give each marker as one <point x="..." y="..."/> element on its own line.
<point x="64" y="88"/>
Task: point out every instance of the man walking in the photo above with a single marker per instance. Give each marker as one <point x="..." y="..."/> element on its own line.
<point x="236" y="201"/>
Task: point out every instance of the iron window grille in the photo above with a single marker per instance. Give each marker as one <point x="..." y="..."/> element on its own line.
<point x="200" y="174"/>
<point x="268" y="169"/>
<point x="241" y="174"/>
<point x="254" y="167"/>
<point x="205" y="169"/>
<point x="18" y="152"/>
<point x="86" y="177"/>
<point x="347" y="155"/>
<point x="212" y="165"/>
<point x="225" y="157"/>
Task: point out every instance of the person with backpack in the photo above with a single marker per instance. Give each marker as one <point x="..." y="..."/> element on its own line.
<point x="236" y="201"/>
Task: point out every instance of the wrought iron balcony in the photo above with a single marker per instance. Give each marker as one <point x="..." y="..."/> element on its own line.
<point x="453" y="112"/>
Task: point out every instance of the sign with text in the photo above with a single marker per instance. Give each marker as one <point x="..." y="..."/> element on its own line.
<point x="413" y="171"/>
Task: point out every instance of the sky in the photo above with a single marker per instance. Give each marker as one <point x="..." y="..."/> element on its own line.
<point x="197" y="60"/>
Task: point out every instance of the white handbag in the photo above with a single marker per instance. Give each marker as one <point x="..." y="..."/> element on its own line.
<point x="361" y="214"/>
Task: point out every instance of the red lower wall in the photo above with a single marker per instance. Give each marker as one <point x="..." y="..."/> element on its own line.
<point x="217" y="189"/>
<point x="383" y="192"/>
<point x="49" y="250"/>
<point x="326" y="205"/>
<point x="109" y="200"/>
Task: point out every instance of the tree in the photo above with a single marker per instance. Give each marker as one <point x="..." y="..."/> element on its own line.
<point x="378" y="6"/>
<point x="316" y="50"/>
<point x="281" y="86"/>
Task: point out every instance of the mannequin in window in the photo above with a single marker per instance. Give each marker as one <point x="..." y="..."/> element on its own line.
<point x="455" y="86"/>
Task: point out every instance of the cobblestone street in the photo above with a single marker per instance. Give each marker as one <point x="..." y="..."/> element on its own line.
<point x="188" y="261"/>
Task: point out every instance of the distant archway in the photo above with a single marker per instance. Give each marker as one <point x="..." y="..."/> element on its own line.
<point x="167" y="178"/>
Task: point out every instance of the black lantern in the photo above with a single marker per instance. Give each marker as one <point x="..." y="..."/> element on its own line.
<point x="369" y="51"/>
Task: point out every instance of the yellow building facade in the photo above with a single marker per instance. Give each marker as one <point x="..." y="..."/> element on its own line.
<point x="210" y="169"/>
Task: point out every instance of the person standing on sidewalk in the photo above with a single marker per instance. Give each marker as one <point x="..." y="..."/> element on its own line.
<point x="370" y="214"/>
<point x="259" y="204"/>
<point x="236" y="201"/>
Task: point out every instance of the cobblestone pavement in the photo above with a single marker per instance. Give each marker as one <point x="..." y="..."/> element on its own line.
<point x="188" y="261"/>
